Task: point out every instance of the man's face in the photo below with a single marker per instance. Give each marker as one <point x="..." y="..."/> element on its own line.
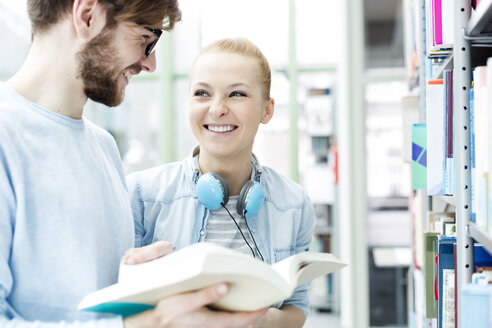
<point x="109" y="60"/>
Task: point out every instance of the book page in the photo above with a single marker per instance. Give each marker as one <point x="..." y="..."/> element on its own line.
<point x="306" y="266"/>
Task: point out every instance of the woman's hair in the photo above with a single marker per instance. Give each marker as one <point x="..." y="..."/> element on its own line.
<point x="246" y="48"/>
<point x="150" y="13"/>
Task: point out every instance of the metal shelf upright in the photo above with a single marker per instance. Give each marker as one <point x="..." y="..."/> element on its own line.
<point x="461" y="89"/>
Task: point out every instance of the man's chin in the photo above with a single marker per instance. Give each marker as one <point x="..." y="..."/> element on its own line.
<point x="112" y="101"/>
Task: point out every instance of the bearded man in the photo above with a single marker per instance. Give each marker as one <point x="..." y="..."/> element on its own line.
<point x="65" y="217"/>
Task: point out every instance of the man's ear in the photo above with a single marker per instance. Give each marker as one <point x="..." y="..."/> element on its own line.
<point x="89" y="18"/>
<point x="268" y="111"/>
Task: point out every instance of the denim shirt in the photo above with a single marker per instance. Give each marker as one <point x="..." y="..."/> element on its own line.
<point x="165" y="207"/>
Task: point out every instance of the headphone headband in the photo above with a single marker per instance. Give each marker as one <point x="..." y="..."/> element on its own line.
<point x="257" y="169"/>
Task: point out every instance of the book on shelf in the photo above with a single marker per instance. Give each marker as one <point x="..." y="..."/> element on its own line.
<point x="472" y="158"/>
<point x="483" y="278"/>
<point x="488" y="220"/>
<point x="448" y="299"/>
<point x="442" y="222"/>
<point x="436" y="22"/>
<point x="445" y="260"/>
<point x="482" y="144"/>
<point x="447" y="23"/>
<point x="419" y="156"/>
<point x="410" y="117"/>
<point x="253" y="283"/>
<point x="430" y="251"/>
<point x="435" y="137"/>
<point x="477" y="305"/>
<point x="439" y="26"/>
<point x="482" y="261"/>
<point x="449" y="172"/>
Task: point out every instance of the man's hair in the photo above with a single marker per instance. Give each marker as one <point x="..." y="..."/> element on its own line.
<point x="161" y="14"/>
<point x="246" y="48"/>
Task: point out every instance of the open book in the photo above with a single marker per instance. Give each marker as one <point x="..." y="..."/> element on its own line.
<point x="253" y="283"/>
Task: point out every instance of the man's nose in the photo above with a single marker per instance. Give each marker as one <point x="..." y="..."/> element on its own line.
<point x="148" y="64"/>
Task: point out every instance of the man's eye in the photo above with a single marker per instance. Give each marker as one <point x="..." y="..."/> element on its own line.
<point x="238" y="94"/>
<point x="200" y="93"/>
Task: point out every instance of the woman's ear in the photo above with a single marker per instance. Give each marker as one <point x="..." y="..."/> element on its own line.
<point x="89" y="18"/>
<point x="268" y="111"/>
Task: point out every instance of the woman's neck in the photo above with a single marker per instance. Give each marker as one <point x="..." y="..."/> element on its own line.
<point x="235" y="171"/>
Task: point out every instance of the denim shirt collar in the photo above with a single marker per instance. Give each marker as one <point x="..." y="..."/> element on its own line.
<point x="192" y="163"/>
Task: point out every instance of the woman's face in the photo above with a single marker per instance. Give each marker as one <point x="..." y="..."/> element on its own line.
<point x="227" y="103"/>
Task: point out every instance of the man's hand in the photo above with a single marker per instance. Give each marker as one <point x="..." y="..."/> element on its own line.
<point x="188" y="310"/>
<point x="147" y="253"/>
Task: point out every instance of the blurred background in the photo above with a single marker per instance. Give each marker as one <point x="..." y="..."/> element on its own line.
<point x="338" y="79"/>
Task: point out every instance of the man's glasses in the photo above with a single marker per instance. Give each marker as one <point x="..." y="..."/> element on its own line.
<point x="157" y="32"/>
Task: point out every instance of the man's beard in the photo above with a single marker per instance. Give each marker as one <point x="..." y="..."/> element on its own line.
<point x="100" y="70"/>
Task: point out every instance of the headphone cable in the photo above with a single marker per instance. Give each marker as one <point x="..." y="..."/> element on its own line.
<point x="239" y="228"/>
<point x="254" y="241"/>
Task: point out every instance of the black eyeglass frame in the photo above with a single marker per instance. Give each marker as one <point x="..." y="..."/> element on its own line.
<point x="150" y="47"/>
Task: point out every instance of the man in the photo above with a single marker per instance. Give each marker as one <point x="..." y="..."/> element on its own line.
<point x="65" y="217"/>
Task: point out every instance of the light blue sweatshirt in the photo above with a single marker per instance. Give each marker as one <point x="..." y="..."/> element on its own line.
<point x="65" y="216"/>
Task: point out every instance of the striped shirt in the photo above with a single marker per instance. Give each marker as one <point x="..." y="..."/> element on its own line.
<point x="222" y="230"/>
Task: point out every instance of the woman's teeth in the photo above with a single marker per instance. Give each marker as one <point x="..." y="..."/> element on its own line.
<point x="222" y="128"/>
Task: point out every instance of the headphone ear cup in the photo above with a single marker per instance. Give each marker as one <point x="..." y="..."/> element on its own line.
<point x="250" y="199"/>
<point x="212" y="191"/>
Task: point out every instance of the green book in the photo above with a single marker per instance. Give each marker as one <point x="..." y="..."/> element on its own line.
<point x="430" y="251"/>
<point x="419" y="156"/>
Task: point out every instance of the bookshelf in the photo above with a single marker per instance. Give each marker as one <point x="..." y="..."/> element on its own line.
<point x="479" y="21"/>
<point x="478" y="234"/>
<point x="473" y="33"/>
<point x="318" y="176"/>
<point x="472" y="44"/>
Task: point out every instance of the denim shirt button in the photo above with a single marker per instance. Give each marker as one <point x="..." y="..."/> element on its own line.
<point x="252" y="230"/>
<point x="202" y="233"/>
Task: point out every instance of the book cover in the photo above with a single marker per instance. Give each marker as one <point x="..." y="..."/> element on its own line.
<point x="448" y="299"/>
<point x="482" y="257"/>
<point x="449" y="172"/>
<point x="430" y="252"/>
<point x="436" y="22"/>
<point x="445" y="260"/>
<point x="419" y="156"/>
<point x="435" y="137"/>
<point x="481" y="143"/>
<point x="476" y="306"/>
<point x="488" y="220"/>
<point x="253" y="283"/>
<point x="473" y="194"/>
<point x="447" y="11"/>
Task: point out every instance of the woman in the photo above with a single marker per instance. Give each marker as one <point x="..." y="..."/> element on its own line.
<point x="221" y="193"/>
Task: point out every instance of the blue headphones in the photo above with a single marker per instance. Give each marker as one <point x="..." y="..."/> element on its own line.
<point x="213" y="193"/>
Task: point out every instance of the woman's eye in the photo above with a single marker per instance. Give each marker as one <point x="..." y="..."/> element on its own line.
<point x="238" y="94"/>
<point x="200" y="93"/>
